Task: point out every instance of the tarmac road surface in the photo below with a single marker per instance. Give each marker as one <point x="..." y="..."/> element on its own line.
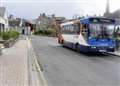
<point x="65" y="67"/>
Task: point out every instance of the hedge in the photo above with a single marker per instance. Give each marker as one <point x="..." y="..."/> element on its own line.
<point x="10" y="35"/>
<point x="46" y="32"/>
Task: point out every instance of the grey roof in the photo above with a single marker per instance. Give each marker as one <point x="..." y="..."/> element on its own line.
<point x="2" y="11"/>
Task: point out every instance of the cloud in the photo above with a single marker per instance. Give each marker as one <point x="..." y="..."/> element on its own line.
<point x="67" y="8"/>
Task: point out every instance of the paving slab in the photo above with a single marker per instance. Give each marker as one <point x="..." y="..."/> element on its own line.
<point x="117" y="53"/>
<point x="13" y="65"/>
<point x="19" y="67"/>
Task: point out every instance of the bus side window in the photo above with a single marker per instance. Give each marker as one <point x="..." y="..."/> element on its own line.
<point x="78" y="29"/>
<point x="61" y="30"/>
<point x="65" y="29"/>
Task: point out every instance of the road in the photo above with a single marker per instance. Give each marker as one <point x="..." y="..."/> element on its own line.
<point x="65" y="67"/>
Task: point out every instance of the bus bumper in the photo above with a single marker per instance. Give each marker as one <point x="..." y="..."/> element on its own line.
<point x="101" y="49"/>
<point x="96" y="49"/>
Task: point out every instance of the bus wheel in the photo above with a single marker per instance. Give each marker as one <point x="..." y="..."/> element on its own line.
<point x="62" y="41"/>
<point x="77" y="48"/>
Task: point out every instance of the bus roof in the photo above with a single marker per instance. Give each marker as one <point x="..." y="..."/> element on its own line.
<point x="97" y="20"/>
<point x="90" y="20"/>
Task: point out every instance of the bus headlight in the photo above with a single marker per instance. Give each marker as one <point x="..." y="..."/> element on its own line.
<point x="111" y="47"/>
<point x="94" y="47"/>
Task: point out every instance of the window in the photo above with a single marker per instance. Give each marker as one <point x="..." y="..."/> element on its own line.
<point x="101" y="30"/>
<point x="70" y="29"/>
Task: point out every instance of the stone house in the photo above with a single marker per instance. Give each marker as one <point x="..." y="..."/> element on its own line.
<point x="49" y="22"/>
<point x="15" y="24"/>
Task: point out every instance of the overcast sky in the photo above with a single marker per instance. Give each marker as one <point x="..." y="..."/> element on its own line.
<point x="31" y="9"/>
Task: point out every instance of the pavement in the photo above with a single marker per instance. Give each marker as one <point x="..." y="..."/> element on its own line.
<point x="19" y="66"/>
<point x="117" y="53"/>
<point x="65" y="67"/>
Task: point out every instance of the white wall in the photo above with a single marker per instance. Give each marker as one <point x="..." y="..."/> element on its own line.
<point x="2" y="20"/>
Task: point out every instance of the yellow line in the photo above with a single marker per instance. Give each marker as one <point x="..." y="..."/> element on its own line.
<point x="44" y="82"/>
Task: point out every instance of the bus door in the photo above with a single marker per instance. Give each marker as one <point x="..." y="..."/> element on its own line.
<point x="84" y="30"/>
<point x="83" y="34"/>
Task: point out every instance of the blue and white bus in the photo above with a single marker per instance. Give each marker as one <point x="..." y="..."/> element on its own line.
<point x="92" y="34"/>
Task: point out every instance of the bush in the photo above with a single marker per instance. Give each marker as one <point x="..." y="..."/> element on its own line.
<point x="45" y="32"/>
<point x="5" y="35"/>
<point x="0" y="34"/>
<point x="14" y="34"/>
<point x="36" y="33"/>
<point x="10" y="35"/>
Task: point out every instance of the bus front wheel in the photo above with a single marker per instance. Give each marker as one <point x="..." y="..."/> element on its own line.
<point x="77" y="49"/>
